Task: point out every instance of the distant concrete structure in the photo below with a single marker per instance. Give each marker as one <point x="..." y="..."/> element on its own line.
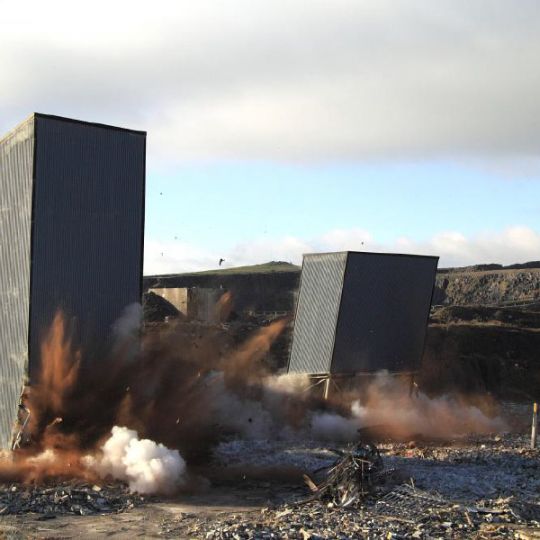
<point x="177" y="296"/>
<point x="71" y="223"/>
<point x="361" y="312"/>
<point x="258" y="292"/>
<point x="203" y="304"/>
<point x="195" y="303"/>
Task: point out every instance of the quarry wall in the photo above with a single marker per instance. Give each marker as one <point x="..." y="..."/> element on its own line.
<point x="276" y="291"/>
<point x="493" y="287"/>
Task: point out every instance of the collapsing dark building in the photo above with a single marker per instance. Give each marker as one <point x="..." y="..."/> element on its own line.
<point x="361" y="313"/>
<point x="72" y="218"/>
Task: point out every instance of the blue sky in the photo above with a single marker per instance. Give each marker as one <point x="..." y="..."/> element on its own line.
<point x="226" y="203"/>
<point x="221" y="205"/>
<point x="278" y="128"/>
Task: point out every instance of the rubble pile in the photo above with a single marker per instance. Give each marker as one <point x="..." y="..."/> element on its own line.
<point x="157" y="309"/>
<point x="351" y="478"/>
<point x="66" y="498"/>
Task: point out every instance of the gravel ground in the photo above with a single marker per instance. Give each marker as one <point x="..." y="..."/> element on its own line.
<point x="487" y="487"/>
<point x="474" y="488"/>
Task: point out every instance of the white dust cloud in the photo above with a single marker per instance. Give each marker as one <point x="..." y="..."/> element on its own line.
<point x="328" y="426"/>
<point x="386" y="404"/>
<point x="146" y="466"/>
<point x="47" y="457"/>
<point x="129" y="323"/>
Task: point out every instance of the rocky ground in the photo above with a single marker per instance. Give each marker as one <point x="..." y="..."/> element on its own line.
<point x="488" y="486"/>
<point x="488" y="287"/>
<point x="477" y="487"/>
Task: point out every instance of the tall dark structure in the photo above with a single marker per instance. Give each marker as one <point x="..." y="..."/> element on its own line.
<point x="71" y="223"/>
<point x="361" y="312"/>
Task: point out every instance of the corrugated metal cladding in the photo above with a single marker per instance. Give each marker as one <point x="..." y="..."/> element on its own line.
<point x="16" y="165"/>
<point x="72" y="219"/>
<point x="88" y="228"/>
<point x="317" y="312"/>
<point x="384" y="302"/>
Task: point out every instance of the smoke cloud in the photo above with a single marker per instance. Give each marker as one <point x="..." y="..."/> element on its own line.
<point x="186" y="390"/>
<point x="386" y="407"/>
<point x="129" y="324"/>
<point x="146" y="466"/>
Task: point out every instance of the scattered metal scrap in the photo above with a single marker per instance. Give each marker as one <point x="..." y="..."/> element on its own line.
<point x="406" y="501"/>
<point x="22" y="423"/>
<point x="69" y="497"/>
<point x="351" y="478"/>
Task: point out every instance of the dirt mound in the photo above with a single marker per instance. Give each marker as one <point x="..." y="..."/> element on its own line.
<point x="156" y="308"/>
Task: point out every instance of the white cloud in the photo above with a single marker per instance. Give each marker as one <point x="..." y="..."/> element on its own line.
<point x="170" y="257"/>
<point x="514" y="244"/>
<point x="345" y="240"/>
<point x="288" y="249"/>
<point x="287" y="79"/>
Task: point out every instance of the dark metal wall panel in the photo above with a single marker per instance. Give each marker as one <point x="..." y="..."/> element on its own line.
<point x="16" y="167"/>
<point x="316" y="313"/>
<point x="88" y="226"/>
<point x="384" y="310"/>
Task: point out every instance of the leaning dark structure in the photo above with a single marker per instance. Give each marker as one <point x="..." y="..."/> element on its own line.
<point x="361" y="312"/>
<point x="71" y="223"/>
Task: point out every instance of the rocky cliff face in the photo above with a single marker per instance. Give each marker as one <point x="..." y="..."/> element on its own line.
<point x="269" y="290"/>
<point x="493" y="287"/>
<point x="479" y="349"/>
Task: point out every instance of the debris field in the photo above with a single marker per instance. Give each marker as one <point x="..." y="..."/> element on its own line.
<point x="478" y="487"/>
<point x="69" y="497"/>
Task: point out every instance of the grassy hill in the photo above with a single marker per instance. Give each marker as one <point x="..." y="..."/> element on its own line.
<point x="266" y="268"/>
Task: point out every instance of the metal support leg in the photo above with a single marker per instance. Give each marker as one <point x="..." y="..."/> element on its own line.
<point x="327" y="382"/>
<point x="534" y="427"/>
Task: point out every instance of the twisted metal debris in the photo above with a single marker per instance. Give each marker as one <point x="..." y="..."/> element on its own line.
<point x="69" y="497"/>
<point x="351" y="478"/>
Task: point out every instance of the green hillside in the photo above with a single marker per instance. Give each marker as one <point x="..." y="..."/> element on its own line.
<point x="266" y="268"/>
